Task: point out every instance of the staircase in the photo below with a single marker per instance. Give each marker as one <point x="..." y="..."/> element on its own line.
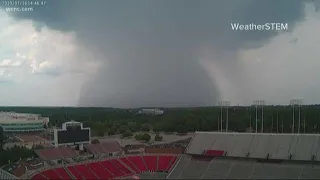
<point x="157" y="163"/>
<point x="57" y="173"/>
<point x="106" y="168"/>
<point x="69" y="173"/>
<point x="92" y="172"/>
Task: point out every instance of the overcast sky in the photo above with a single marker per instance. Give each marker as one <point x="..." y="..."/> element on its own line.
<point x="134" y="53"/>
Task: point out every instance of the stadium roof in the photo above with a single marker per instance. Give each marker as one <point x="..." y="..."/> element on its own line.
<point x="56" y="153"/>
<point x="303" y="147"/>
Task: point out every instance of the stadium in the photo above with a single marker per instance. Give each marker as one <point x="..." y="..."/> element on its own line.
<point x="207" y="155"/>
<point x="12" y="122"/>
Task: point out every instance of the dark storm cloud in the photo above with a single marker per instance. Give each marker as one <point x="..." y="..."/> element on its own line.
<point x="149" y="47"/>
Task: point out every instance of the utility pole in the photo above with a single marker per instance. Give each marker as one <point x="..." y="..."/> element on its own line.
<point x="259" y="103"/>
<point x="272" y="124"/>
<point x="224" y="104"/>
<point x="277" y="120"/>
<point x="304" y="125"/>
<point x="293" y="103"/>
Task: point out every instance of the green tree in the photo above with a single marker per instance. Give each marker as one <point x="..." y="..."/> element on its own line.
<point x="2" y="138"/>
<point x="158" y="137"/>
<point x="122" y="129"/>
<point x="146" y="137"/>
<point x="100" y="133"/>
<point x="95" y="141"/>
<point x="127" y="134"/>
<point x="111" y="132"/>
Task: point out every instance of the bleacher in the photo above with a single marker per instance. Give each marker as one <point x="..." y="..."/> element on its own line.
<point x="103" y="147"/>
<point x="300" y="147"/>
<point x="56" y="153"/>
<point x="5" y="175"/>
<point x="222" y="168"/>
<point x="112" y="168"/>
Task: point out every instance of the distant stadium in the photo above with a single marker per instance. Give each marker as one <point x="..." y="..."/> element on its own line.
<point x="207" y="155"/>
<point x="20" y="122"/>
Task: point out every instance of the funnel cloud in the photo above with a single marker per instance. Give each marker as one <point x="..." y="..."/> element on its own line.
<point x="174" y="53"/>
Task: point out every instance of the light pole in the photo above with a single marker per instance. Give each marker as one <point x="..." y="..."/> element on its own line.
<point x="293" y="103"/>
<point x="258" y="103"/>
<point x="224" y="104"/>
<point x="220" y="104"/>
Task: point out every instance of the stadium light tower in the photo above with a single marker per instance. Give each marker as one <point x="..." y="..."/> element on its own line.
<point x="294" y="103"/>
<point x="257" y="104"/>
<point x="224" y="104"/>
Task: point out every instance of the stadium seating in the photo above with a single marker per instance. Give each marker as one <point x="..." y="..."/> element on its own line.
<point x="164" y="162"/>
<point x="56" y="153"/>
<point x="63" y="173"/>
<point x="115" y="171"/>
<point x="120" y="166"/>
<point x="74" y="172"/>
<point x="99" y="170"/>
<point x="130" y="165"/>
<point x="138" y="162"/>
<point x="213" y="152"/>
<point x="112" y="168"/>
<point x="86" y="172"/>
<point x="151" y="162"/>
<point x="51" y="174"/>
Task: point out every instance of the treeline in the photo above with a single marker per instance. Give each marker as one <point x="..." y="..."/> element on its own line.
<point x="110" y="121"/>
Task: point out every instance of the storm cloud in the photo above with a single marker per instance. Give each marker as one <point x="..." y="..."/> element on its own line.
<point x="175" y="53"/>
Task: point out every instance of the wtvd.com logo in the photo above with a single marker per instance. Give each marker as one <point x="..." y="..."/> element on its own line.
<point x="260" y="27"/>
<point x="19" y="9"/>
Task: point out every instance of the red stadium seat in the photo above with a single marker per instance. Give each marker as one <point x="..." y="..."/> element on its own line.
<point x="151" y="162"/>
<point x="211" y="152"/>
<point x="86" y="172"/>
<point x="130" y="165"/>
<point x="63" y="173"/>
<point x="164" y="162"/>
<point x="108" y="165"/>
<point x="138" y="162"/>
<point x="110" y="169"/>
<point x="74" y="172"/>
<point x="173" y="162"/>
<point x="123" y="168"/>
<point x="38" y="177"/>
<point x="100" y="171"/>
<point x="51" y="174"/>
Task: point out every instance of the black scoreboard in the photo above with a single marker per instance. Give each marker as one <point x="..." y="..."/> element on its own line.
<point x="73" y="134"/>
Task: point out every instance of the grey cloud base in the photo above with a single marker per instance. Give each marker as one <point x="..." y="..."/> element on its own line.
<point x="150" y="47"/>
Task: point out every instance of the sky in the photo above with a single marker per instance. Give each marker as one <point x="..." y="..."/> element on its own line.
<point x="124" y="53"/>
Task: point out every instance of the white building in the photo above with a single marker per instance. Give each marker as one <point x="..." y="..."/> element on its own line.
<point x="151" y="111"/>
<point x="22" y="122"/>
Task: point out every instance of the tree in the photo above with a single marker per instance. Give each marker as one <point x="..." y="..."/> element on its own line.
<point x="122" y="129"/>
<point x="127" y="134"/>
<point x="2" y="138"/>
<point x="145" y="129"/>
<point x="111" y="132"/>
<point x="100" y="133"/>
<point x="95" y="141"/>
<point x="158" y="137"/>
<point x="143" y="137"/>
<point x="146" y="137"/>
<point x="38" y="146"/>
